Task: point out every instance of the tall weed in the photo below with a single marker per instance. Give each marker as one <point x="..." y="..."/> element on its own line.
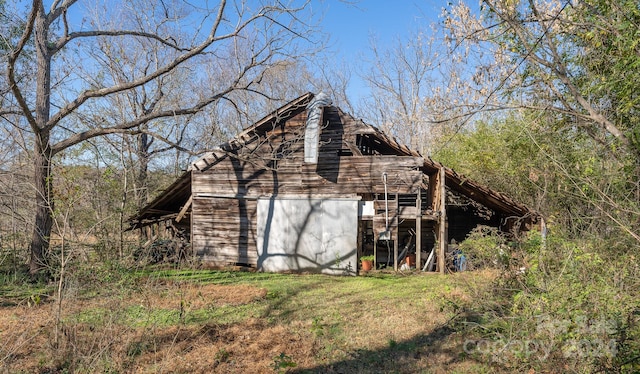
<point x="559" y="304"/>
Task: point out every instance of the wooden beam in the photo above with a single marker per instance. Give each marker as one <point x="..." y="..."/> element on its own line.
<point x="442" y="224"/>
<point x="432" y="191"/>
<point x="359" y="241"/>
<point x="395" y="235"/>
<point x="184" y="209"/>
<point x="418" y="229"/>
<point x="375" y="248"/>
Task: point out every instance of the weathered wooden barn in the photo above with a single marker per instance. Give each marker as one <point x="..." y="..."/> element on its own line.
<point x="310" y="188"/>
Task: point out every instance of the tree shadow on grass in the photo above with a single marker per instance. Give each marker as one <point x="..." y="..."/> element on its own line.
<point x="279" y="308"/>
<point x="439" y="351"/>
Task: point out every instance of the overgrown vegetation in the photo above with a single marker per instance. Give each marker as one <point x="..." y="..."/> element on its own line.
<point x="557" y="303"/>
<point x="538" y="99"/>
<point x="119" y="319"/>
<point x="569" y="299"/>
<point x="553" y="81"/>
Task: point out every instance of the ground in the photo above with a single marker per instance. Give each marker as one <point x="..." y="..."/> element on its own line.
<point x="184" y="321"/>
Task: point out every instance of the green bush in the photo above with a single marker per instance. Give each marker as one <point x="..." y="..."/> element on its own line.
<point x="486" y="247"/>
<point x="572" y="305"/>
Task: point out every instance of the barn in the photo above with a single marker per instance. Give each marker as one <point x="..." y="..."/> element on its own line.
<point x="309" y="188"/>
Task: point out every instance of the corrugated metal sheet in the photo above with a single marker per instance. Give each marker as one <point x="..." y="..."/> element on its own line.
<point x="316" y="235"/>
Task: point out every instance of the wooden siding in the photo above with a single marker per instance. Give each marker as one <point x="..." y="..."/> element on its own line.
<point x="354" y="175"/>
<point x="224" y="230"/>
<point x="230" y="181"/>
<point x="256" y="172"/>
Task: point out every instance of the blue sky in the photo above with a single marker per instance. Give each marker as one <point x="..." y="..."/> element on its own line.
<point x="351" y="25"/>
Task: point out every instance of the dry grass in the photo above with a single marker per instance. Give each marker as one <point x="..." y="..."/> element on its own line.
<point x="257" y="324"/>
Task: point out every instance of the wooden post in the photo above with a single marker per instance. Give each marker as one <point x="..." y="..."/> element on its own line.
<point x="375" y="247"/>
<point x="419" y="230"/>
<point x="433" y="195"/>
<point x="432" y="191"/>
<point x="184" y="209"/>
<point x="395" y="234"/>
<point x="359" y="241"/>
<point x="442" y="229"/>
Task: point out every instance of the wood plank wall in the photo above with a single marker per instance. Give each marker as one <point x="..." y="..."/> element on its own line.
<point x="224" y="196"/>
<point x="224" y="231"/>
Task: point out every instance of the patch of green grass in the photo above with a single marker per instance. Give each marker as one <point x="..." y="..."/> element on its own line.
<point x="94" y="316"/>
<point x="132" y="316"/>
<point x="33" y="295"/>
<point x="223" y="315"/>
<point x="18" y="288"/>
<point x="141" y="316"/>
<point x="282" y="362"/>
<point x="209" y="276"/>
<point x="222" y="355"/>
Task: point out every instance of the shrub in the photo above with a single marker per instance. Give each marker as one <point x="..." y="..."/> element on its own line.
<point x="486" y="247"/>
<point x="572" y="306"/>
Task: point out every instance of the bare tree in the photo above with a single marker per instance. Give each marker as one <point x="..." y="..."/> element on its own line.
<point x="571" y="66"/>
<point x="536" y="55"/>
<point x="59" y="108"/>
<point x="416" y="84"/>
<point x="118" y="62"/>
<point x="399" y="80"/>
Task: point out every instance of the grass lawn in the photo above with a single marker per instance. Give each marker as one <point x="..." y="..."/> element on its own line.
<point x="183" y="321"/>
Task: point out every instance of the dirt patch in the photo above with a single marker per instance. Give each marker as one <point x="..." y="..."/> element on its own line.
<point x="248" y="347"/>
<point x="195" y="296"/>
<point x="24" y="331"/>
<point x="27" y="333"/>
<point x="171" y="295"/>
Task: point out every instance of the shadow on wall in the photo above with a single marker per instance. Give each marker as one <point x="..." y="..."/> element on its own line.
<point x="307" y="234"/>
<point x="328" y="166"/>
<point x="243" y="240"/>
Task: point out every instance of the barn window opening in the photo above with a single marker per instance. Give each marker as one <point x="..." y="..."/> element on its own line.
<point x="407" y="199"/>
<point x="371" y="145"/>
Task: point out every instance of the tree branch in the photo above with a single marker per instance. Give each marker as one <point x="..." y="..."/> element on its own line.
<point x="56" y="11"/>
<point x="85" y="34"/>
<point x="86" y="95"/>
<point x="95" y="132"/>
<point x="11" y="65"/>
<point x="172" y="145"/>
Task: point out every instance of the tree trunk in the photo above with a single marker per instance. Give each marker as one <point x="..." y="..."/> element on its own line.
<point x="42" y="150"/>
<point x="44" y="206"/>
<point x="142" y="175"/>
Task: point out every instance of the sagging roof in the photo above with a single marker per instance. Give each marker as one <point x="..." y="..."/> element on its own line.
<point x="173" y="198"/>
<point x="168" y="204"/>
<point x="457" y="182"/>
